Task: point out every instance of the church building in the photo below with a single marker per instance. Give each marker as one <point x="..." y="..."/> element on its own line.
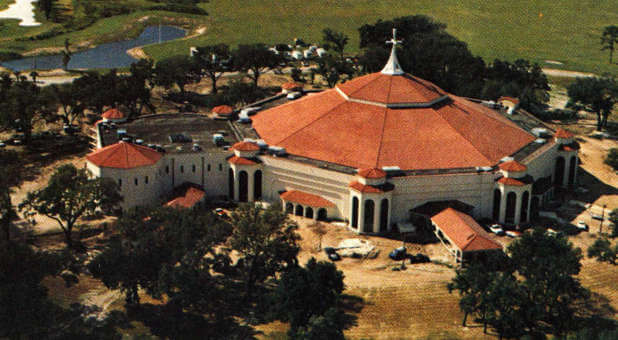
<point x="369" y="152"/>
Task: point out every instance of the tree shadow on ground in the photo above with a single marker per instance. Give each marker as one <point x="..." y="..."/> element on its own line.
<point x="167" y="322"/>
<point x="351" y="305"/>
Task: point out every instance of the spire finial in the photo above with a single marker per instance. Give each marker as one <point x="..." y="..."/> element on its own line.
<point x="392" y="66"/>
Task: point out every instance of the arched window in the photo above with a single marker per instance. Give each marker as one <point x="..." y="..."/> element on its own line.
<point x="257" y="185"/>
<point x="572" y="170"/>
<point x="289" y="208"/>
<point x="309" y="212"/>
<point x="230" y="183"/>
<point x="510" y="208"/>
<point x="524" y="207"/>
<point x="354" y="212"/>
<point x="368" y="221"/>
<point x="384" y="215"/>
<point x="497" y="198"/>
<point x="299" y="210"/>
<point x="559" y="172"/>
<point x="243" y="186"/>
<point x="322" y="215"/>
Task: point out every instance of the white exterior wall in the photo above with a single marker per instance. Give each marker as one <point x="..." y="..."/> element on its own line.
<point x="282" y="174"/>
<point x="542" y="162"/>
<point x="475" y="189"/>
<point x="214" y="181"/>
<point x="142" y="193"/>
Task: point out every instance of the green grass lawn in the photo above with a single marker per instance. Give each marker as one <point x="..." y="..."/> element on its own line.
<point x="564" y="31"/>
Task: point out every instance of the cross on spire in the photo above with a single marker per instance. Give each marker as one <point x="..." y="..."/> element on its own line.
<point x="392" y="66"/>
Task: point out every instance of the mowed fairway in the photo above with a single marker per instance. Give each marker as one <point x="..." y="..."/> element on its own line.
<point x="564" y="31"/>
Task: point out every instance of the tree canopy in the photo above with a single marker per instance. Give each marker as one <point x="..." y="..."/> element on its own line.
<point x="536" y="292"/>
<point x="70" y="194"/>
<point x="212" y="60"/>
<point x="254" y="59"/>
<point x="598" y="95"/>
<point x="266" y="241"/>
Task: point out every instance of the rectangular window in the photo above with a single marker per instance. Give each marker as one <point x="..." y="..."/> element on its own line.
<point x="136" y="181"/>
<point x="167" y="169"/>
<point x="193" y="168"/>
<point x="182" y="169"/>
<point x="146" y="180"/>
<point x="119" y="183"/>
<point x="220" y="167"/>
<point x="208" y="167"/>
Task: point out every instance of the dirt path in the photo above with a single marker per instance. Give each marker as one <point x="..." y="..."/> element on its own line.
<point x="566" y="73"/>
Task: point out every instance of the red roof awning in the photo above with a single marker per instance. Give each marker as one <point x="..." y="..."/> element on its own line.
<point x="463" y="230"/>
<point x="305" y="198"/>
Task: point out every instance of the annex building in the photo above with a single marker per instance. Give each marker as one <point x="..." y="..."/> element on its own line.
<point x="370" y="152"/>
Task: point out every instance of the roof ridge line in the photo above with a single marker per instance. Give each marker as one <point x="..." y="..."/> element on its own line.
<point x="313" y="121"/>
<point x="484" y="113"/>
<point x="462" y="136"/>
<point x="384" y="124"/>
<point x="362" y="87"/>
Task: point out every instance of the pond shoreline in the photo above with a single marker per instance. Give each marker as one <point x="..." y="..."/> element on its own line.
<point x="115" y="54"/>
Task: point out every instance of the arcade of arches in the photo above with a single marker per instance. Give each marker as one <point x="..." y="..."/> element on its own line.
<point x="372" y="216"/>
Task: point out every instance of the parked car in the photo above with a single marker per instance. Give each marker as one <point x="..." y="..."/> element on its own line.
<point x="294" y="95"/>
<point x="332" y="254"/>
<point x="398" y="253"/>
<point x="513" y="233"/>
<point x="597" y="216"/>
<point x="552" y="232"/>
<point x="496" y="229"/>
<point x="581" y="225"/>
<point x="419" y="258"/>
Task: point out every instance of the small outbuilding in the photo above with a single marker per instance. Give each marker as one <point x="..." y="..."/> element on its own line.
<point x="462" y="235"/>
<point x="223" y="111"/>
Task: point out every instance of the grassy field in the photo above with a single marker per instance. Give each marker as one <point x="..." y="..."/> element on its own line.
<point x="564" y="31"/>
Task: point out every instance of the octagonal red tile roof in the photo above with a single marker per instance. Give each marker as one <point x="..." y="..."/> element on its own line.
<point x="358" y="125"/>
<point x="124" y="155"/>
<point x="508" y="181"/>
<point x="245" y="146"/>
<point x="372" y="173"/>
<point x="561" y="133"/>
<point x="513" y="166"/>
<point x="240" y="161"/>
<point x="113" y="114"/>
<point x="223" y="110"/>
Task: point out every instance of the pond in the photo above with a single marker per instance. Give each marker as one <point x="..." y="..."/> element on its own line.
<point x="109" y="55"/>
<point x="22" y="10"/>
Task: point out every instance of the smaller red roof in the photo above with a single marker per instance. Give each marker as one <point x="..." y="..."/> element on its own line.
<point x="245" y="146"/>
<point x="291" y="86"/>
<point x="223" y="110"/>
<point x="567" y="148"/>
<point x="563" y="134"/>
<point x="463" y="230"/>
<point x="241" y="161"/>
<point x="511" y="182"/>
<point x="113" y="114"/>
<point x="188" y="197"/>
<point x="124" y="155"/>
<point x="306" y="198"/>
<point x="360" y="187"/>
<point x="511" y="99"/>
<point x="372" y="173"/>
<point x="513" y="166"/>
